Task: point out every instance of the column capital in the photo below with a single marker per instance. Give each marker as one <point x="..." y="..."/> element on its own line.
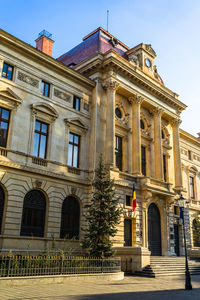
<point x="110" y="84"/>
<point x="176" y="122"/>
<point x="136" y="99"/>
<point x="157" y="111"/>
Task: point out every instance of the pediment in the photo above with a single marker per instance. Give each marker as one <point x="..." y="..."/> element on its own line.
<point x="44" y="108"/>
<point x="76" y="122"/>
<point x="8" y="95"/>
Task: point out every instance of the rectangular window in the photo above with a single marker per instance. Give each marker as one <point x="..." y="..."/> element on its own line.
<point x="118" y="152"/>
<point x="127" y="232"/>
<point x="164" y="168"/>
<point x="4" y="124"/>
<point x="40" y="139"/>
<point x="7" y="71"/>
<point x="74" y="149"/>
<point x="76" y="103"/>
<point x="189" y="155"/>
<point x="45" y="88"/>
<point x="176" y="210"/>
<point x="191" y="179"/>
<point x="143" y="159"/>
<point x="128" y="200"/>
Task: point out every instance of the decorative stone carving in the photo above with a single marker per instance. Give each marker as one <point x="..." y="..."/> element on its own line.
<point x="166" y="139"/>
<point x="138" y="99"/>
<point x="86" y="106"/>
<point x="147" y="126"/>
<point x="62" y="95"/>
<point x="27" y="79"/>
<point x="134" y="58"/>
<point x="158" y="111"/>
<point x="110" y="84"/>
<point x="38" y="183"/>
<point x="176" y="122"/>
<point x="149" y="49"/>
<point x="125" y="115"/>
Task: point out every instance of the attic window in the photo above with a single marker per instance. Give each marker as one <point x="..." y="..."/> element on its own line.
<point x="71" y="65"/>
<point x="114" y="42"/>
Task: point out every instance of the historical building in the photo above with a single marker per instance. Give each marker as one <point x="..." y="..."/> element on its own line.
<point x="57" y="116"/>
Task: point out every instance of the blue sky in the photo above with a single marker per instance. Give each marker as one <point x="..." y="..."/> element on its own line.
<point x="170" y="26"/>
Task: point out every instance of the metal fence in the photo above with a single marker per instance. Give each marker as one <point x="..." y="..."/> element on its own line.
<point x="13" y="266"/>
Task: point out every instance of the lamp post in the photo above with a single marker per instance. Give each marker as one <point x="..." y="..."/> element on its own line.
<point x="188" y="285"/>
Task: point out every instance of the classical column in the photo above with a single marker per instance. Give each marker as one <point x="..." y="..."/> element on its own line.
<point x="177" y="156"/>
<point x="136" y="138"/>
<point x="157" y="112"/>
<point x="111" y="87"/>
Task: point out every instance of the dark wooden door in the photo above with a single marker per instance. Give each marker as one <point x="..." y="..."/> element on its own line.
<point x="176" y="240"/>
<point x="128" y="232"/>
<point x="154" y="231"/>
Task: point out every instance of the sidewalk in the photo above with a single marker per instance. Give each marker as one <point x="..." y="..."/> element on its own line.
<point x="137" y="288"/>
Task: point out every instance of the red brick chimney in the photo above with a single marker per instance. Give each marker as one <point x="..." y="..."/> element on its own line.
<point x="44" y="42"/>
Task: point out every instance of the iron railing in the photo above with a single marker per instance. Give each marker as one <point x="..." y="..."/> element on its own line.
<point x="14" y="266"/>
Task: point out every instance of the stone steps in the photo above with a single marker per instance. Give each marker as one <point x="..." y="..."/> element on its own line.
<point x="169" y="266"/>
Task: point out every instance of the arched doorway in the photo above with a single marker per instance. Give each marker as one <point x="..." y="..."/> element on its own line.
<point x="154" y="231"/>
<point x="33" y="217"/>
<point x="70" y="218"/>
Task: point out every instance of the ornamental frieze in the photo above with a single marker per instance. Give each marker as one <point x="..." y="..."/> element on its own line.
<point x="62" y="95"/>
<point x="28" y="79"/>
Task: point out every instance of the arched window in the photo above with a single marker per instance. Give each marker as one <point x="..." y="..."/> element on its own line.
<point x="196" y="233"/>
<point x="141" y="124"/>
<point x="2" y="200"/>
<point x="70" y="218"/>
<point x="33" y="218"/>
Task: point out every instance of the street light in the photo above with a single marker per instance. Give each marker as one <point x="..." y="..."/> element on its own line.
<point x="188" y="285"/>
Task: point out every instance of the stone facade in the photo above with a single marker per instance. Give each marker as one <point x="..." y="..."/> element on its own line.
<point x="121" y="95"/>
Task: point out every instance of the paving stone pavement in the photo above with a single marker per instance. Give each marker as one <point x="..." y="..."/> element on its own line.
<point x="137" y="288"/>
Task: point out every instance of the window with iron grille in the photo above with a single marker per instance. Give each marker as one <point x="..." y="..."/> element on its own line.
<point x="7" y="71"/>
<point x="40" y="139"/>
<point x="191" y="180"/>
<point x="143" y="160"/>
<point x="118" y="152"/>
<point x="45" y="89"/>
<point x="4" y="125"/>
<point x="128" y="200"/>
<point x="70" y="218"/>
<point x="76" y="103"/>
<point x="2" y="200"/>
<point x="73" y="150"/>
<point x="164" y="168"/>
<point x="33" y="218"/>
<point x="127" y="232"/>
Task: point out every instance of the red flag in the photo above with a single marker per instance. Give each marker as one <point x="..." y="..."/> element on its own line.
<point x="134" y="198"/>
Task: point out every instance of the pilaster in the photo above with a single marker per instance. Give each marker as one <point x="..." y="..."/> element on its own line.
<point x="110" y="86"/>
<point x="136" y="101"/>
<point x="158" y="159"/>
<point x="177" y="157"/>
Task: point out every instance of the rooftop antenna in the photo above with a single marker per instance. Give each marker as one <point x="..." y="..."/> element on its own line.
<point x="107" y="19"/>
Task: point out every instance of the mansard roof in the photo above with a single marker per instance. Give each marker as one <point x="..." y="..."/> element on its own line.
<point x="97" y="41"/>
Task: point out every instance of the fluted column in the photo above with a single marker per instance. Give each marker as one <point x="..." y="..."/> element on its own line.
<point x="158" y="143"/>
<point x="111" y="87"/>
<point x="177" y="156"/>
<point x="136" y="138"/>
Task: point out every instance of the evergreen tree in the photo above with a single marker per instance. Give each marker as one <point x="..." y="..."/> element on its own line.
<point x="196" y="231"/>
<point x="103" y="214"/>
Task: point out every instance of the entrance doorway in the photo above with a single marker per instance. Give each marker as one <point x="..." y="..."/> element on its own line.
<point x="154" y="231"/>
<point x="176" y="240"/>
